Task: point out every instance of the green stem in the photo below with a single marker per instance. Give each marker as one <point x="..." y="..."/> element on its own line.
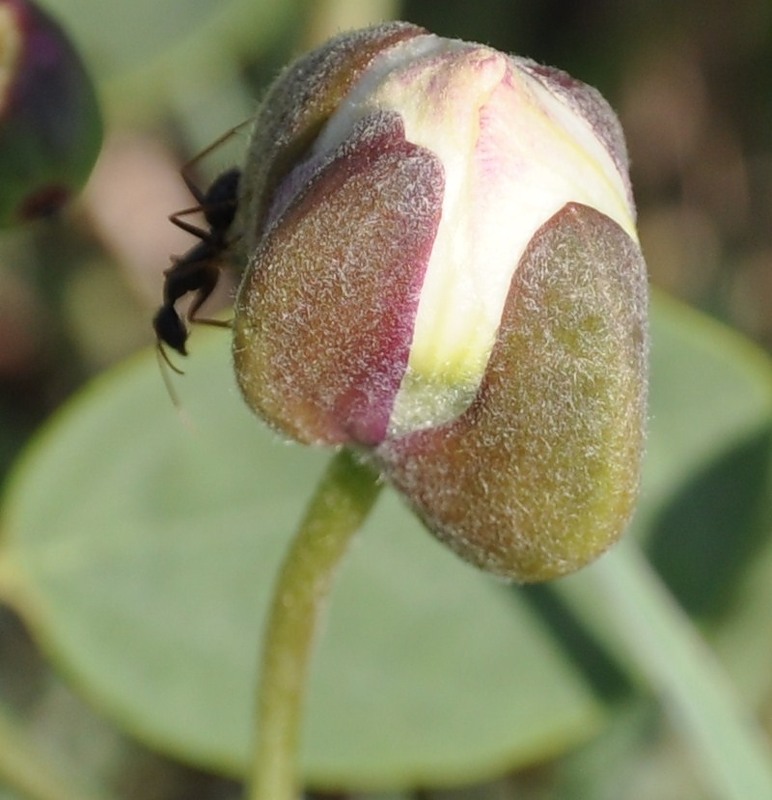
<point x="341" y="504"/>
<point x="326" y="18"/>
<point x="629" y="605"/>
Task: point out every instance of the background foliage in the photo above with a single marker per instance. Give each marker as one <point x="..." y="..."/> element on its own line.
<point x="134" y="554"/>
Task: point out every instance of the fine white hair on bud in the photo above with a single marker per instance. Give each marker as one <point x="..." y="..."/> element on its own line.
<point x="443" y="271"/>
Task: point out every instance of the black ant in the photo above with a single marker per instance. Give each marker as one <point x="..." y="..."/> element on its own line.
<point x="197" y="270"/>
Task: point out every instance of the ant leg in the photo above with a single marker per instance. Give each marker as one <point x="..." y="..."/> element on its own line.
<point x="215" y="323"/>
<point x="187" y="226"/>
<point x="201" y="297"/>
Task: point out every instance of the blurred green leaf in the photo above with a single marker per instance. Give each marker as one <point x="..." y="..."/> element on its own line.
<point x="142" y="551"/>
<point x="706" y="491"/>
<point x="141" y="547"/>
<point x="711" y="389"/>
<point x="195" y="57"/>
<point x="121" y="37"/>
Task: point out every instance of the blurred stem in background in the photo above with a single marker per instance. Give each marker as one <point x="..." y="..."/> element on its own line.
<point x="28" y="772"/>
<point x="328" y="18"/>
<point x="654" y="639"/>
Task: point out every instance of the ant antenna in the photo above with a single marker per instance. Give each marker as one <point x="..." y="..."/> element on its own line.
<point x="164" y="365"/>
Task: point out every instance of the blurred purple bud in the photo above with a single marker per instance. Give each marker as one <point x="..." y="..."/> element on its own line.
<point x="50" y="126"/>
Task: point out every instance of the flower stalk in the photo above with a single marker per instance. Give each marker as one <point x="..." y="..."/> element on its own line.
<point x="337" y="511"/>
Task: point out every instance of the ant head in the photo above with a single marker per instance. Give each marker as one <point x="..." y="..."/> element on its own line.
<point x="170" y="330"/>
<point x="221" y="199"/>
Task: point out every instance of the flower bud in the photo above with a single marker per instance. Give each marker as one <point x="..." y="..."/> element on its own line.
<point x="444" y="272"/>
<point x="50" y="127"/>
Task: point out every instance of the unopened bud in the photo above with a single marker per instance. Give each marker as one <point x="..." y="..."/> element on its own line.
<point x="444" y="272"/>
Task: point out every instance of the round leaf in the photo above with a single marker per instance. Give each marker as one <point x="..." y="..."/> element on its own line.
<point x="141" y="545"/>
